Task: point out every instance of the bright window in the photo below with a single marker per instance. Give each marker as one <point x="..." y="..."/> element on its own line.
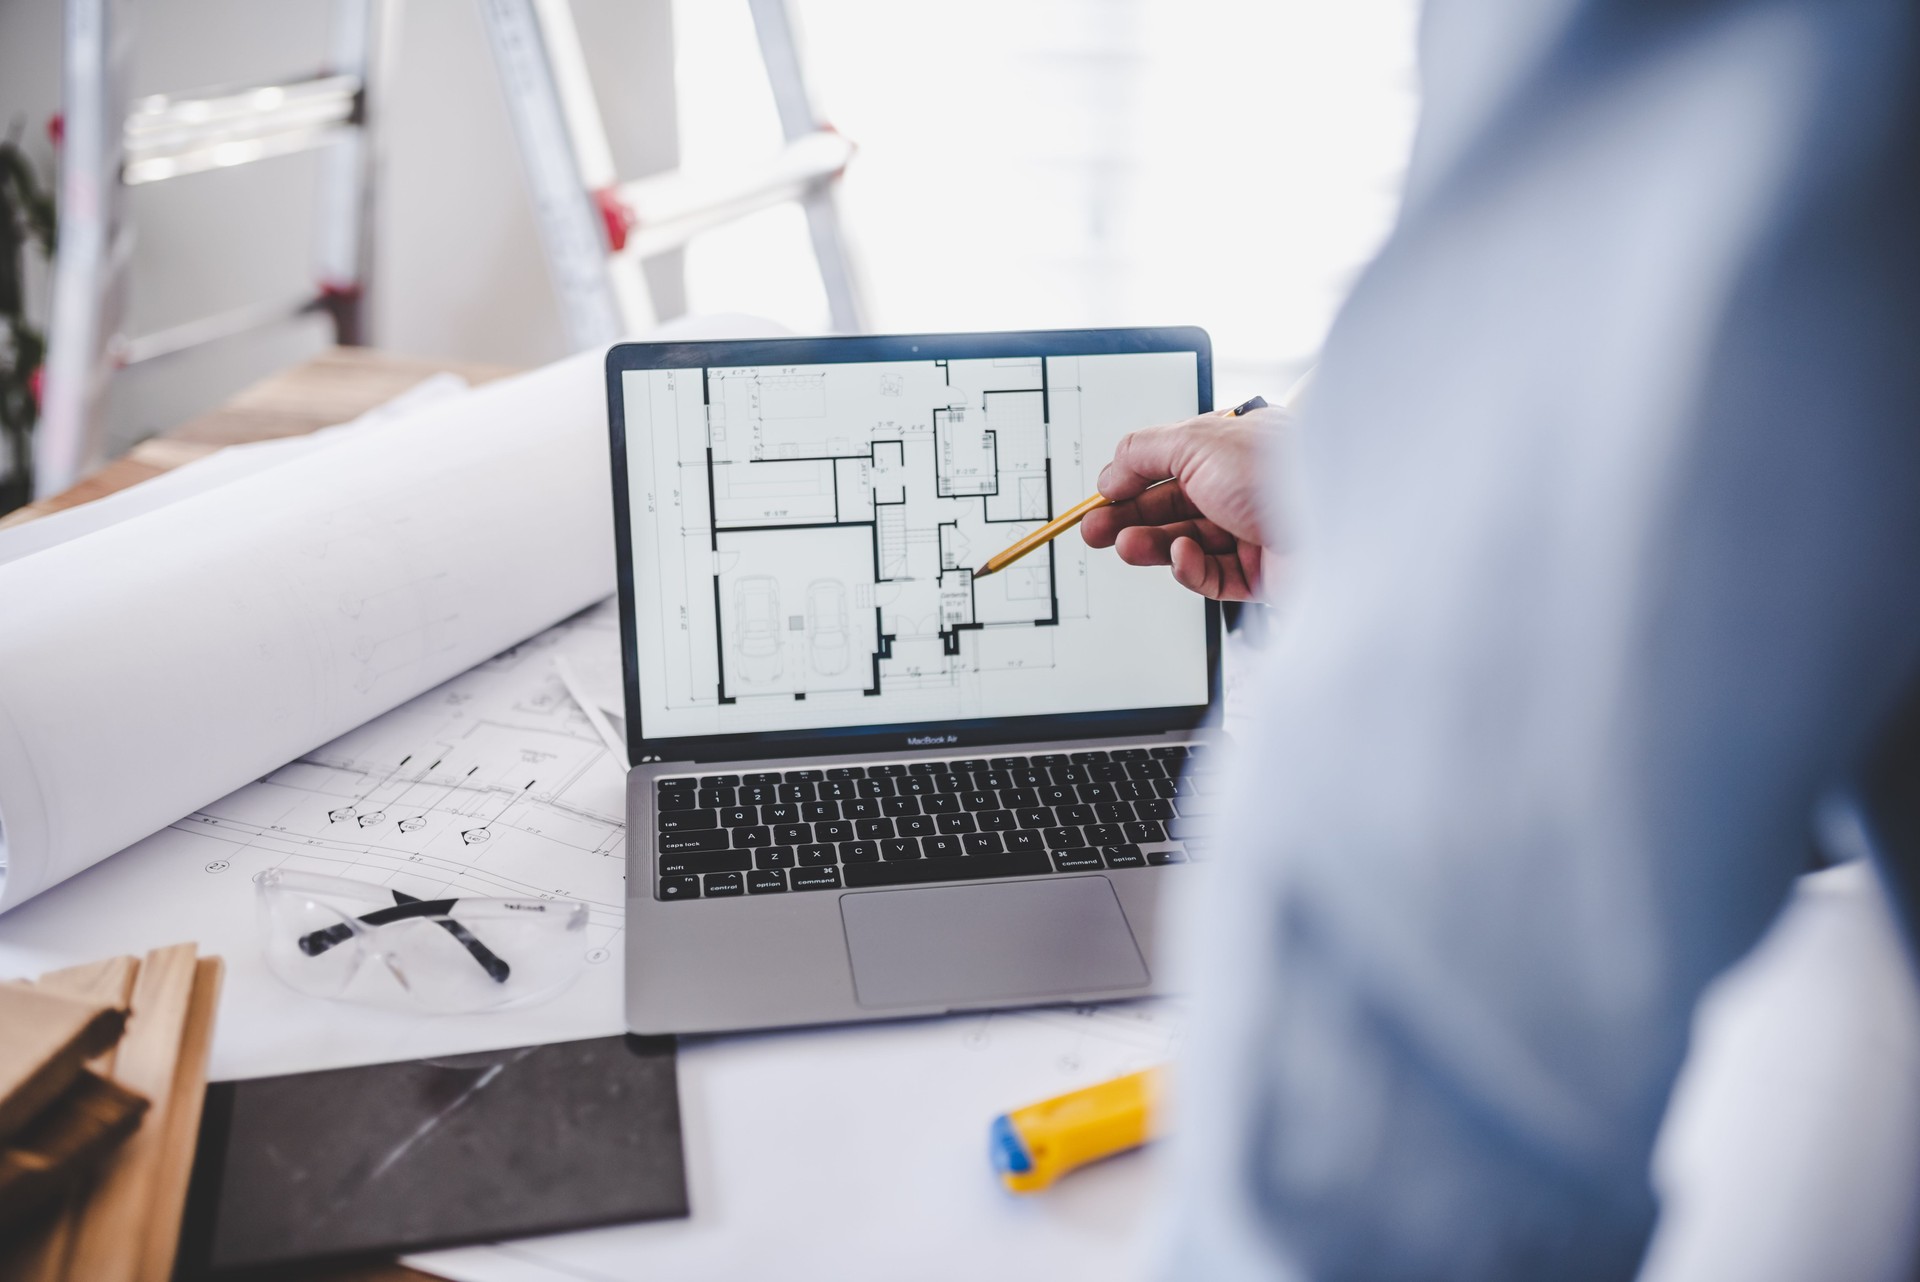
<point x="1038" y="163"/>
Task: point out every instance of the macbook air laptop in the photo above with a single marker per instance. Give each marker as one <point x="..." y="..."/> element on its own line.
<point x="865" y="784"/>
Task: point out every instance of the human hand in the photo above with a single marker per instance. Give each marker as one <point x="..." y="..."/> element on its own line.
<point x="1206" y="521"/>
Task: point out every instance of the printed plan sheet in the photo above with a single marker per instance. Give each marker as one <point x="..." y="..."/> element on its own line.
<point x="492" y="784"/>
<point x="810" y="534"/>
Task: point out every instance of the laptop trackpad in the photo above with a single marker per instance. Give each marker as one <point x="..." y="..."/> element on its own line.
<point x="990" y="942"/>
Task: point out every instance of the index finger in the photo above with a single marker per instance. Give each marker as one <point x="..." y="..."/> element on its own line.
<point x="1161" y="505"/>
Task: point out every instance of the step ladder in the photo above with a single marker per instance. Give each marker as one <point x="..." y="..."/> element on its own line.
<point x="595" y="229"/>
<point x="598" y="230"/>
<point x="109" y="145"/>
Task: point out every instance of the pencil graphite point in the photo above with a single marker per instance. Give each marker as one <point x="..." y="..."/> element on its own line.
<point x="982" y="572"/>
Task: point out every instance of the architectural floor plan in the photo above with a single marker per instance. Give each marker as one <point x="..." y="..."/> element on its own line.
<point x="842" y="558"/>
<point x="812" y="531"/>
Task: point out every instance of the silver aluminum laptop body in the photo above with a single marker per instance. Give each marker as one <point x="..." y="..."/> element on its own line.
<point x="765" y="961"/>
<point x="833" y="944"/>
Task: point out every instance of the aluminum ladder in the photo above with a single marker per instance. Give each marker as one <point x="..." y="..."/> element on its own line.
<point x="109" y="145"/>
<point x="597" y="230"/>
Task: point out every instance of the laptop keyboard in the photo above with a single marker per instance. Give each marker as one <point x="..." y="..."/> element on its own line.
<point x="903" y="823"/>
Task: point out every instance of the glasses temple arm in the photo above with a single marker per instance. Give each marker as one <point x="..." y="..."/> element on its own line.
<point x="319" y="941"/>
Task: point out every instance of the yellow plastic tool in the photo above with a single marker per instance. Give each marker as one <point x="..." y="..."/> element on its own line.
<point x="1036" y="1145"/>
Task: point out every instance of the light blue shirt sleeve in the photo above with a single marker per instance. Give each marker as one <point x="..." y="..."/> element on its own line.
<point x="1606" y="503"/>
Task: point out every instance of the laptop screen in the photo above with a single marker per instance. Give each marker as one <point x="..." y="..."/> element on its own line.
<point x="800" y="537"/>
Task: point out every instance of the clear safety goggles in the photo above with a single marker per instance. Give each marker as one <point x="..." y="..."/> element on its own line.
<point x="448" y="955"/>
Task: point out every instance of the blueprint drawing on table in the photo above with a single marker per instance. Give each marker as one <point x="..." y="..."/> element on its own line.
<point x="493" y="784"/>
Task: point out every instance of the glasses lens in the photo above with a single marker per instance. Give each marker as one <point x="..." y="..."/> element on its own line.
<point x="487" y="953"/>
<point x="308" y="931"/>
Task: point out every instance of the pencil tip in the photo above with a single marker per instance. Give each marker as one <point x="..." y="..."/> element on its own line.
<point x="982" y="572"/>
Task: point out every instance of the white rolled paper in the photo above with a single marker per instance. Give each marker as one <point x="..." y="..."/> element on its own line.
<point x="151" y="667"/>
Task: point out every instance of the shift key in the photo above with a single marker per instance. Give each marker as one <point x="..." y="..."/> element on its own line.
<point x="697" y="861"/>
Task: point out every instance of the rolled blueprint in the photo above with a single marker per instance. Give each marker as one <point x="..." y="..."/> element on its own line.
<point x="151" y="667"/>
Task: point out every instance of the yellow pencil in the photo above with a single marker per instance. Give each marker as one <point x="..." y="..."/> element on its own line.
<point x="1072" y="516"/>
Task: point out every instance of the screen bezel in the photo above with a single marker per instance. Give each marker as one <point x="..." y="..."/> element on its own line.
<point x="933" y="736"/>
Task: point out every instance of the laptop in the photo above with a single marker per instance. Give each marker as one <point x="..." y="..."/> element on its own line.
<point x="863" y="784"/>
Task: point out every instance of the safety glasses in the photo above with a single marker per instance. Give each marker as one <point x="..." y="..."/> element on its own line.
<point x="448" y="955"/>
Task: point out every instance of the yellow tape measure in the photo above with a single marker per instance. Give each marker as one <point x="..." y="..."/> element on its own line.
<point x="1036" y="1145"/>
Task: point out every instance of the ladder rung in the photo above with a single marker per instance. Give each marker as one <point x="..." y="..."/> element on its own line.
<point x="209" y="329"/>
<point x="168" y="135"/>
<point x="670" y="209"/>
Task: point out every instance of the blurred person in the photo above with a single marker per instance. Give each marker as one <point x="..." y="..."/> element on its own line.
<point x="1596" y="548"/>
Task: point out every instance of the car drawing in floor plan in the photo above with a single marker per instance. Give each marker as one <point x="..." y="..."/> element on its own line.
<point x="756" y="615"/>
<point x="827" y="644"/>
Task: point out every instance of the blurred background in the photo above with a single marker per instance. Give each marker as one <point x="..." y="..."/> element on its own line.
<point x="1020" y="163"/>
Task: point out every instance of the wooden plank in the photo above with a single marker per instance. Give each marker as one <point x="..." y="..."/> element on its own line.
<point x="42" y="1256"/>
<point x="54" y="1154"/>
<point x="175" y="1159"/>
<point x="117" y="475"/>
<point x="165" y="453"/>
<point x="49" y="1038"/>
<point x="109" y="1238"/>
<point x="46" y="1258"/>
<point x="334" y="387"/>
<point x="109" y="982"/>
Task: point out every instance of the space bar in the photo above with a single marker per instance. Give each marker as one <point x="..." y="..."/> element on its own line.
<point x="965" y="868"/>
